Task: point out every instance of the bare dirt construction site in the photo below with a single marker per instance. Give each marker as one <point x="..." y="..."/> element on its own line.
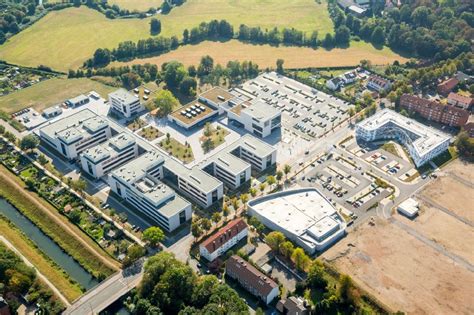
<point x="424" y="266"/>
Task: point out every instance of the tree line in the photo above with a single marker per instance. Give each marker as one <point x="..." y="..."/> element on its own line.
<point x="213" y="30"/>
<point x="174" y="74"/>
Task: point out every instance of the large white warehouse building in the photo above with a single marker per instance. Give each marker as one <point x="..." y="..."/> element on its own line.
<point x="305" y="216"/>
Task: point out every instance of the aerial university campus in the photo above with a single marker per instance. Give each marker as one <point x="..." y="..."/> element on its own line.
<point x="236" y="157"/>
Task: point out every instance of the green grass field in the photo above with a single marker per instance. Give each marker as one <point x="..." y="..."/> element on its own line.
<point x="65" y="39"/>
<point x="139" y="5"/>
<point x="50" y="92"/>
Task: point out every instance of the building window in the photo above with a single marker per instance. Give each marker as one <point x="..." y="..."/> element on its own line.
<point x="63" y="148"/>
<point x="182" y="217"/>
<point x="89" y="167"/>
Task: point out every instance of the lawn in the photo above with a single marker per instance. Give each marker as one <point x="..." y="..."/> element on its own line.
<point x="50" y="92"/>
<point x="136" y="124"/>
<point x="150" y="133"/>
<point x="212" y="137"/>
<point x="139" y="5"/>
<point x="177" y="149"/>
<point x="49" y="41"/>
<point x="266" y="55"/>
<point x="43" y="263"/>
<point x="390" y="147"/>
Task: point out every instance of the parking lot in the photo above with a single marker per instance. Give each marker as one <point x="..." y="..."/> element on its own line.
<point x="396" y="165"/>
<point x="344" y="184"/>
<point x="305" y="110"/>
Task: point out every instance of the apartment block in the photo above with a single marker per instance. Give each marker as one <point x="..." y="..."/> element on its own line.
<point x="460" y="101"/>
<point x="251" y="279"/>
<point x="434" y="111"/>
<point x="227" y="237"/>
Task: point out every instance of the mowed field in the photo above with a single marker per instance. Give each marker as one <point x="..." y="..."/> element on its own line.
<point x="139" y="5"/>
<point x="65" y="39"/>
<point x="266" y="55"/>
<point x="51" y="92"/>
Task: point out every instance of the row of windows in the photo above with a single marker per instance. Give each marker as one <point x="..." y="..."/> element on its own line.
<point x="117" y="163"/>
<point x="193" y="191"/>
<point x="92" y="141"/>
<point x="152" y="213"/>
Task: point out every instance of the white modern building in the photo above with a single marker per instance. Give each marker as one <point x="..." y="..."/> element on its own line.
<point x="194" y="183"/>
<point x="101" y="159"/>
<point x="227" y="237"/>
<point x="256" y="116"/>
<point x="229" y="169"/>
<point x="125" y="103"/>
<point x="422" y="142"/>
<point x="258" y="153"/>
<point x="76" y="133"/>
<point x="305" y="216"/>
<point x="139" y="183"/>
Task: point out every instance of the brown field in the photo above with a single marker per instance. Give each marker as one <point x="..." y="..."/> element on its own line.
<point x="445" y="230"/>
<point x="404" y="272"/>
<point x="453" y="191"/>
<point x="266" y="55"/>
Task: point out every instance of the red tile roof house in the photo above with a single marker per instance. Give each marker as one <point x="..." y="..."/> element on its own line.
<point x="252" y="279"/>
<point x="224" y="239"/>
<point x="458" y="100"/>
<point x="445" y="87"/>
<point x="378" y="84"/>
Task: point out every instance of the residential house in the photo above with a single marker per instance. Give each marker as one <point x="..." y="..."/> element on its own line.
<point x="251" y="279"/>
<point x="334" y="84"/>
<point x="378" y="84"/>
<point x="293" y="306"/>
<point x="227" y="237"/>
<point x="445" y="87"/>
<point x="461" y="101"/>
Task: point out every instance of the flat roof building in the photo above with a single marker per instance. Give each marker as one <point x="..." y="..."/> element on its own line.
<point x="139" y="183"/>
<point x="409" y="208"/>
<point x="101" y="159"/>
<point x="125" y="103"/>
<point x="422" y="142"/>
<point x="76" y="133"/>
<point x="305" y="216"/>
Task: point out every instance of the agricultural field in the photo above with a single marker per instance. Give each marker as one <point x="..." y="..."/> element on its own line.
<point x="50" y="92"/>
<point x="48" y="41"/>
<point x="266" y="55"/>
<point x="139" y="5"/>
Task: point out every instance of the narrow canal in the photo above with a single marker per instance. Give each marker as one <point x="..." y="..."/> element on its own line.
<point x="47" y="245"/>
